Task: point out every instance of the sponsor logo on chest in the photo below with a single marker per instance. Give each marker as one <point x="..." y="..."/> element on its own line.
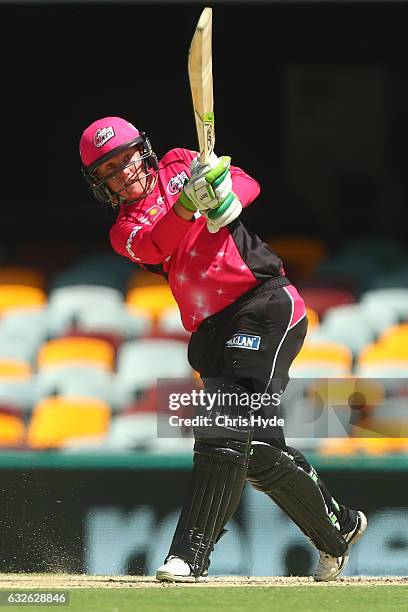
<point x="244" y="341"/>
<point x="175" y="184"/>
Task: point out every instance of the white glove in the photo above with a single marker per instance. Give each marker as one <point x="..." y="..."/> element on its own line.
<point x="208" y="185"/>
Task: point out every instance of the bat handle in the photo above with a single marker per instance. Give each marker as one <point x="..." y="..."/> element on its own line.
<point x="204" y="158"/>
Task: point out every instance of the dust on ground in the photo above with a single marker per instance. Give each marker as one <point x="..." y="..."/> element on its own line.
<point x="72" y="581"/>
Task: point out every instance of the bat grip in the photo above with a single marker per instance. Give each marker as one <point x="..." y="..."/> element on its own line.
<point x="204" y="158"/>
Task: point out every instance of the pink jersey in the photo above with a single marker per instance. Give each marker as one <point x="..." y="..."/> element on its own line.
<point x="206" y="272"/>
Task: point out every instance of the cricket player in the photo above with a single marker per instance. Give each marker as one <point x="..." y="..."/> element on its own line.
<point x="248" y="322"/>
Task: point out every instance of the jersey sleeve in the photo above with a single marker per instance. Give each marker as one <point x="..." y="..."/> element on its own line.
<point x="148" y="241"/>
<point x="244" y="186"/>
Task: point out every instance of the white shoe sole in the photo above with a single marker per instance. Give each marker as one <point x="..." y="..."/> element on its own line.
<point x="362" y="526"/>
<point x="163" y="576"/>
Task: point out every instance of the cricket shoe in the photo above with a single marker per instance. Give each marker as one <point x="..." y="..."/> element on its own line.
<point x="177" y="570"/>
<point x="328" y="567"/>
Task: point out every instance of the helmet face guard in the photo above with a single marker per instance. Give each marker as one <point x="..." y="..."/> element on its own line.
<point x="116" y="135"/>
<point x="148" y="181"/>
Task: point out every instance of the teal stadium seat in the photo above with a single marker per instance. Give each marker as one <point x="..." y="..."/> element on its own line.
<point x="17" y="393"/>
<point x="364" y="260"/>
<point x="346" y="325"/>
<point x="75" y="381"/>
<point x="22" y="332"/>
<point x="105" y="269"/>
<point x="170" y="322"/>
<point x="141" y="362"/>
<point x="113" y="318"/>
<point x="385" y="307"/>
<point x="65" y="304"/>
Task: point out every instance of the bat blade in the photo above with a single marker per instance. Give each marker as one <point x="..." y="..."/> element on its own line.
<point x="201" y="84"/>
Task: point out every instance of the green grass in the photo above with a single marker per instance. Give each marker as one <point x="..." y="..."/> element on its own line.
<point x="235" y="599"/>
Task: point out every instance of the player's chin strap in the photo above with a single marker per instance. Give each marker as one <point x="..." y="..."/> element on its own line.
<point x="298" y="495"/>
<point x="218" y="477"/>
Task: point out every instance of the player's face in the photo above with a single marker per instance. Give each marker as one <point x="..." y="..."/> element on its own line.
<point x="126" y="173"/>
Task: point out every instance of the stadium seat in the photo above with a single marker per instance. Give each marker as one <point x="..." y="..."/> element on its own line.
<point x="131" y="432"/>
<point x="384" y="252"/>
<point x="17" y="392"/>
<point x="12" y="430"/>
<point x="14" y="369"/>
<point x="115" y="340"/>
<point x="300" y="254"/>
<point x="143" y="278"/>
<point x="392" y="279"/>
<point x="321" y="299"/>
<point x="22" y="332"/>
<point x="20" y="296"/>
<point x="384" y="352"/>
<point x="369" y="446"/>
<point x="396" y="334"/>
<point x="322" y="359"/>
<point x="393" y="302"/>
<point x="76" y="351"/>
<point x="313" y="319"/>
<point x="74" y="380"/>
<point x="66" y="303"/>
<point x="113" y="318"/>
<point x="386" y="361"/>
<point x="58" y="420"/>
<point x="17" y="348"/>
<point x="105" y="269"/>
<point x="152" y="300"/>
<point x="141" y="362"/>
<point x="18" y="275"/>
<point x="346" y="325"/>
<point x="352" y="392"/>
<point x="169" y="321"/>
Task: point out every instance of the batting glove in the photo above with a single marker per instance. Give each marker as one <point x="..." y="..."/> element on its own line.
<point x="227" y="212"/>
<point x="208" y="186"/>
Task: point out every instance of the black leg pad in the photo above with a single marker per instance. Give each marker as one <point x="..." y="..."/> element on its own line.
<point x="297" y="494"/>
<point x="217" y="480"/>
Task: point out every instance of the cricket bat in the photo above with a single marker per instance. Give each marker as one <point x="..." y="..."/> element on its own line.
<point x="201" y="84"/>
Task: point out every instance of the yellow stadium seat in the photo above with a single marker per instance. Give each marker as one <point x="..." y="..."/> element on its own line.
<point x="397" y="334"/>
<point x="57" y="420"/>
<point x="143" y="278"/>
<point x="300" y="253"/>
<point x="321" y="352"/>
<point x="348" y="392"/>
<point x="374" y="427"/>
<point x="381" y="352"/>
<point x="152" y="300"/>
<point x="382" y="446"/>
<point x="18" y="275"/>
<point x="12" y="430"/>
<point x="20" y="296"/>
<point x="338" y="447"/>
<point x="76" y="351"/>
<point x="313" y="318"/>
<point x="15" y="369"/>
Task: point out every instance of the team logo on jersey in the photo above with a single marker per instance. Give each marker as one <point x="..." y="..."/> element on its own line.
<point x="176" y="183"/>
<point x="102" y="136"/>
<point x="244" y="341"/>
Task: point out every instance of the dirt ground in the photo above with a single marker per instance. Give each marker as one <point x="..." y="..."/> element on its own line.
<point x="69" y="581"/>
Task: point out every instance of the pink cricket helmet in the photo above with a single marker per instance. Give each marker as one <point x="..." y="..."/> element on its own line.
<point x="104" y="139"/>
<point x="104" y="136"/>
